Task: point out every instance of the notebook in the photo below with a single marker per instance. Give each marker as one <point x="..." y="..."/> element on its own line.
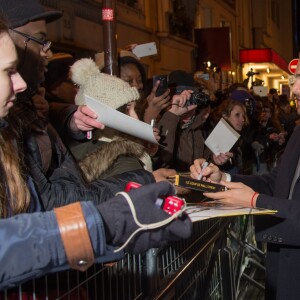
<point x="222" y="138"/>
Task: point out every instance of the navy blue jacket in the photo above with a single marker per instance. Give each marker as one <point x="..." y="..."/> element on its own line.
<point x="31" y="245"/>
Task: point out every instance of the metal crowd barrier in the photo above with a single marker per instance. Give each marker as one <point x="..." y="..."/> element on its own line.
<point x="201" y="267"/>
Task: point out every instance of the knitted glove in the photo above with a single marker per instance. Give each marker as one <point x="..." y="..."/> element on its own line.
<point x="119" y="222"/>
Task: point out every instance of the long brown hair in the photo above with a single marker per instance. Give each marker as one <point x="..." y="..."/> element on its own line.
<point x="14" y="192"/>
<point x="225" y="108"/>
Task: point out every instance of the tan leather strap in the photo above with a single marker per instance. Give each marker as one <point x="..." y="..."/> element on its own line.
<point x="75" y="236"/>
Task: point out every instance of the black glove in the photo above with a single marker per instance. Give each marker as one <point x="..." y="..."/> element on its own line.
<point x="119" y="222"/>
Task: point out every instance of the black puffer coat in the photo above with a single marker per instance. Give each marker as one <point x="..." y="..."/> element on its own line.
<point x="55" y="173"/>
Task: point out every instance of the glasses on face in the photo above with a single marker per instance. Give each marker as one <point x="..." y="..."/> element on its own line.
<point x="44" y="43"/>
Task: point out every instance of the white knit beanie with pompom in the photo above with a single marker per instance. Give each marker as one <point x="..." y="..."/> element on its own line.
<point x="105" y="88"/>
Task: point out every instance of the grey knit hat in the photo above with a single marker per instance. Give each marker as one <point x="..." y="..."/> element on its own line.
<point x="20" y="12"/>
<point x="107" y="89"/>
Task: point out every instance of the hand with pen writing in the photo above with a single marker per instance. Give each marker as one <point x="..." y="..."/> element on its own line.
<point x="237" y="193"/>
<point x="207" y="172"/>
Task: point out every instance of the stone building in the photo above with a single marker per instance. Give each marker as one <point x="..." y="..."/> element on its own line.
<point x="188" y="34"/>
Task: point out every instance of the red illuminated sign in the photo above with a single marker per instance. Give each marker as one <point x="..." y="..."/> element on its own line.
<point x="107" y="14"/>
<point x="293" y="65"/>
<point x="263" y="56"/>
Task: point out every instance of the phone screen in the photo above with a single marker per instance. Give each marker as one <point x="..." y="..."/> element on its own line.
<point x="163" y="85"/>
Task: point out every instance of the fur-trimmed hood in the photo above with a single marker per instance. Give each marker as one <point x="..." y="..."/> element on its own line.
<point x="102" y="160"/>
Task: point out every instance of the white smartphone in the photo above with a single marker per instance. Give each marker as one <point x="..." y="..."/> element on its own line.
<point x="145" y="49"/>
<point x="260" y="90"/>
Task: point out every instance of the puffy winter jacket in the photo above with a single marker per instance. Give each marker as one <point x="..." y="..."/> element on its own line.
<point x="55" y="173"/>
<point x="32" y="246"/>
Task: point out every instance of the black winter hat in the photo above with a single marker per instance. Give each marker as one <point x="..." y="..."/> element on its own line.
<point x="182" y="80"/>
<point x="180" y="77"/>
<point x="58" y="69"/>
<point x="20" y="12"/>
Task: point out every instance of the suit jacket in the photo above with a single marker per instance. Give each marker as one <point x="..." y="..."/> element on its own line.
<point x="281" y="231"/>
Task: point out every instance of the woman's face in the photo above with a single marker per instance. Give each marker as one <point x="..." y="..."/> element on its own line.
<point x="131" y="74"/>
<point x="265" y="114"/>
<point x="237" y="118"/>
<point x="11" y="82"/>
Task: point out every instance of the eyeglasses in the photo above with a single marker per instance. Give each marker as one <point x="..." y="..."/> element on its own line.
<point x="46" y="44"/>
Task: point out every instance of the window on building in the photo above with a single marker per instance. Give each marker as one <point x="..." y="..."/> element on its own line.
<point x="181" y="19"/>
<point x="137" y="4"/>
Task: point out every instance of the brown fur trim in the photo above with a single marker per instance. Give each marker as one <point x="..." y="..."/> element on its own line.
<point x="103" y="158"/>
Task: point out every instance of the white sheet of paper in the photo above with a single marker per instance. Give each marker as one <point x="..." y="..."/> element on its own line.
<point x="200" y="213"/>
<point x="119" y="121"/>
<point x="222" y="138"/>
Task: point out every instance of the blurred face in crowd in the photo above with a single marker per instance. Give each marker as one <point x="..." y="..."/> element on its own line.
<point x="237" y="117"/>
<point x="265" y="114"/>
<point x="131" y="74"/>
<point x="33" y="59"/>
<point x="202" y="114"/>
<point x="65" y="91"/>
<point x="258" y="107"/>
<point x="11" y="82"/>
<point x="286" y="108"/>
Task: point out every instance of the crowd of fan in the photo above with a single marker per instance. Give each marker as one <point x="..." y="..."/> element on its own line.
<point x="65" y="187"/>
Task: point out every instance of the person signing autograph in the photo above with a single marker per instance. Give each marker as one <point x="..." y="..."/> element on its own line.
<point x="237" y="193"/>
<point x="278" y="190"/>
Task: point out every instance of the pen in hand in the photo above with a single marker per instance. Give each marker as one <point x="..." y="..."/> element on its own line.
<point x="203" y="166"/>
<point x="152" y="124"/>
<point x="89" y="135"/>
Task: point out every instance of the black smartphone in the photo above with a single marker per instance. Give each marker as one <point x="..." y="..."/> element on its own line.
<point x="163" y="85"/>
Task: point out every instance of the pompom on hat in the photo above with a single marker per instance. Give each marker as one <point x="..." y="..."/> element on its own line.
<point x="20" y="12"/>
<point x="108" y="89"/>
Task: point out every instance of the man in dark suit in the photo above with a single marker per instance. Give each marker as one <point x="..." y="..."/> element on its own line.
<point x="280" y="191"/>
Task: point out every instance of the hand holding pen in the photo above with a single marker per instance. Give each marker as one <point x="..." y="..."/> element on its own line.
<point x="203" y="166"/>
<point x="152" y="148"/>
<point x="212" y="174"/>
